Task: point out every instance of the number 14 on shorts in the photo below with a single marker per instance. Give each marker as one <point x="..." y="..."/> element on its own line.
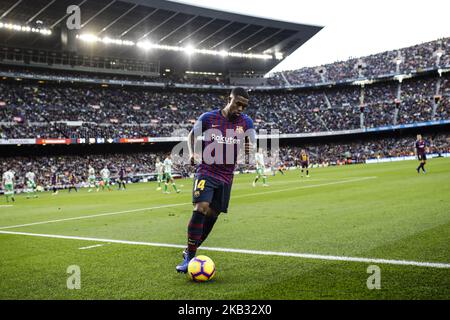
<point x="199" y="185"/>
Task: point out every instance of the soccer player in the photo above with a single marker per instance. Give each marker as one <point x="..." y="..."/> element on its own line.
<point x="72" y="182"/>
<point x="260" y="168"/>
<point x="159" y="172"/>
<point x="54" y="182"/>
<point x="281" y="168"/>
<point x="421" y="153"/>
<point x="91" y="179"/>
<point x="304" y="162"/>
<point x="168" y="175"/>
<point x="30" y="178"/>
<point x="105" y="173"/>
<point x="8" y="185"/>
<point x="122" y="173"/>
<point x="213" y="177"/>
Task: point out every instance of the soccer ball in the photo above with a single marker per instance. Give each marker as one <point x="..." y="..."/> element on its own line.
<point x="201" y="268"/>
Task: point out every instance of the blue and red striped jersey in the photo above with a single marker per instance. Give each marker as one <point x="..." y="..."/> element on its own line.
<point x="420" y="146"/>
<point x="222" y="137"/>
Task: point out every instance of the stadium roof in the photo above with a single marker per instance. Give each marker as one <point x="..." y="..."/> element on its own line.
<point x="164" y="23"/>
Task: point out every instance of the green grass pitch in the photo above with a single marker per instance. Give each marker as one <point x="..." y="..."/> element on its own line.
<point x="380" y="211"/>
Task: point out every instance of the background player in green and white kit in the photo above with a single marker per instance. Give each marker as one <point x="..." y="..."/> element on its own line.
<point x="159" y="166"/>
<point x="8" y="185"/>
<point x="168" y="175"/>
<point x="105" y="174"/>
<point x="31" y="184"/>
<point x="92" y="179"/>
<point x="260" y="168"/>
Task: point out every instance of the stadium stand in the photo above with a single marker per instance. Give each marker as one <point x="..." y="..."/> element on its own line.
<point x="420" y="57"/>
<point x="64" y="110"/>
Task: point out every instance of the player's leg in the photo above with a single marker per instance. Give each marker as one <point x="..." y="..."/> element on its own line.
<point x="166" y="183"/>
<point x="218" y="204"/>
<point x="159" y="179"/>
<point x="194" y="233"/>
<point x="35" y="190"/>
<point x="174" y="186"/>
<point x="8" y="189"/>
<point x="28" y="190"/>
<point x="202" y="195"/>
<point x="32" y="189"/>
<point x="210" y="219"/>
<point x="11" y="193"/>
<point x="257" y="177"/>
<point x="420" y="163"/>
<point x="264" y="178"/>
<point x="424" y="162"/>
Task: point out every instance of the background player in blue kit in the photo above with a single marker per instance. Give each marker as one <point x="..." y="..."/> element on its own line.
<point x="214" y="175"/>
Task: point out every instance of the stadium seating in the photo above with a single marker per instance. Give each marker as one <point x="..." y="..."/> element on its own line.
<point x="415" y="58"/>
<point x="65" y="110"/>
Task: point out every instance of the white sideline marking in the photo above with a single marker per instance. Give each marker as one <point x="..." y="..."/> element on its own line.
<point x="254" y="252"/>
<point x="6" y="206"/>
<point x="90" y="247"/>
<point x="183" y="204"/>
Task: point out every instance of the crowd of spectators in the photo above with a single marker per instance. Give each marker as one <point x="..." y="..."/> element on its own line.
<point x="65" y="110"/>
<point x="415" y="58"/>
<point x="360" y="151"/>
<point x="137" y="166"/>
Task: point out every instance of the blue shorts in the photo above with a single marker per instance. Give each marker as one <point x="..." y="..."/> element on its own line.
<point x="215" y="192"/>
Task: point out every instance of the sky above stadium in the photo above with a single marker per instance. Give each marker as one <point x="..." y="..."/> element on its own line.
<point x="352" y="28"/>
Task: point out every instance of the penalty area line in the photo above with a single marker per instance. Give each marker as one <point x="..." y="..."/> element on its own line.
<point x="243" y="251"/>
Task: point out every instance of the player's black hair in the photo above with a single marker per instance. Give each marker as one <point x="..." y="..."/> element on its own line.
<point x="239" y="91"/>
